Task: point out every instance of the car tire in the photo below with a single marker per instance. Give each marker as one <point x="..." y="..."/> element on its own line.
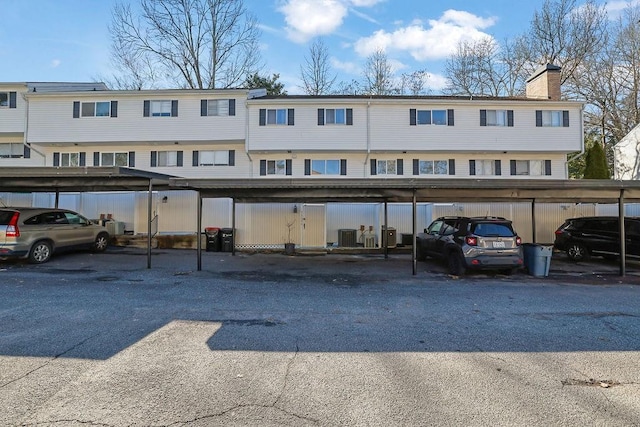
<point x="101" y="242"/>
<point x="456" y="264"/>
<point x="577" y="252"/>
<point x="40" y="252"/>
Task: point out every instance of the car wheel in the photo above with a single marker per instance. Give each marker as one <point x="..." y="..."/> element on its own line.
<point x="457" y="266"/>
<point x="40" y="252"/>
<point x="101" y="242"/>
<point x="577" y="252"/>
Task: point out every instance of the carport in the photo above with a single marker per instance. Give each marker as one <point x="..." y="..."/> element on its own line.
<point x="413" y="190"/>
<point x="83" y="179"/>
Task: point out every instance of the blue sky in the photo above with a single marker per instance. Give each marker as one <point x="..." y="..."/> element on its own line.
<point x="68" y="40"/>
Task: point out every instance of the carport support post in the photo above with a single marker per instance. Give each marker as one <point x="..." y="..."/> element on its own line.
<point x="533" y="219"/>
<point x="385" y="233"/>
<point x="233" y="227"/>
<point x="623" y="249"/>
<point x="414" y="262"/>
<point x="57" y="200"/>
<point x="198" y="232"/>
<point x="149" y="209"/>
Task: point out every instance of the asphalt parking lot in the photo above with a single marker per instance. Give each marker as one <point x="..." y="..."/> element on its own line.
<point x="267" y="339"/>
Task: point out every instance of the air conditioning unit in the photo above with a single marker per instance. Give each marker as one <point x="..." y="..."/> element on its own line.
<point x="389" y="238"/>
<point x="370" y="241"/>
<point x="347" y="238"/>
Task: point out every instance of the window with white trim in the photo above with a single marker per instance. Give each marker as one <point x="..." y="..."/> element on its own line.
<point x="335" y="116"/>
<point x="160" y="108"/>
<point x="4" y="99"/>
<point x="552" y="118"/>
<point x="167" y="158"/>
<point x="276" y="167"/>
<point x="114" y="159"/>
<point x="431" y="117"/>
<point x="217" y="107"/>
<point x="496" y="117"/>
<point x="70" y="159"/>
<point x="11" y="150"/>
<point x="434" y="167"/>
<point x="277" y="117"/>
<point x="325" y="167"/>
<point x="214" y="158"/>
<point x="96" y="109"/>
<point x="485" y="167"/>
<point x="386" y="167"/>
<point x="531" y="167"/>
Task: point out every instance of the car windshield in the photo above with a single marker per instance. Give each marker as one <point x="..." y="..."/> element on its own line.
<point x="490" y="229"/>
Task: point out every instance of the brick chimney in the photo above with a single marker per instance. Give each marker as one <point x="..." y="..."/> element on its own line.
<point x="544" y="83"/>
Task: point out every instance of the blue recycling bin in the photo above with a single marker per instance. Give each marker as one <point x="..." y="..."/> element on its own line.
<point x="537" y="259"/>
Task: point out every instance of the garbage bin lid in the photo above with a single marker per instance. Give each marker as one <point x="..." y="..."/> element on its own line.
<point x="211" y="228"/>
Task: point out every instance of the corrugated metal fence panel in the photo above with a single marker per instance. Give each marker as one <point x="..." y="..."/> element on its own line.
<point x="119" y="205"/>
<point x="265" y="224"/>
<point x="351" y="216"/>
<point x="400" y="217"/>
<point x="630" y="209"/>
<point x="16" y="199"/>
<point x="549" y="216"/>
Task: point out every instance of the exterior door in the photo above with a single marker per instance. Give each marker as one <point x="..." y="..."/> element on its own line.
<point x="313" y="223"/>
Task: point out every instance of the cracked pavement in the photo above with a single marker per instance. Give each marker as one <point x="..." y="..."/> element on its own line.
<point x="270" y="340"/>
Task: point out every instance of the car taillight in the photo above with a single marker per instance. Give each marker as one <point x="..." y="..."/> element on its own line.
<point x="518" y="241"/>
<point x="12" y="227"/>
<point x="471" y="241"/>
<point x="559" y="232"/>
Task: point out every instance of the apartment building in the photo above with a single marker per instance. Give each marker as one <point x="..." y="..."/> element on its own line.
<point x="244" y="134"/>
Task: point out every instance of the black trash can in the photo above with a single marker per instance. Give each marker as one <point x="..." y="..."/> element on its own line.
<point x="213" y="239"/>
<point x="227" y="239"/>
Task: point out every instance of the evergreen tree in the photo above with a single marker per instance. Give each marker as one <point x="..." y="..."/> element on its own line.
<point x="596" y="166"/>
<point x="271" y="84"/>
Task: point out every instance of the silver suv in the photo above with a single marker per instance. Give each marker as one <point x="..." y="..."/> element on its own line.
<point x="481" y="243"/>
<point x="36" y="233"/>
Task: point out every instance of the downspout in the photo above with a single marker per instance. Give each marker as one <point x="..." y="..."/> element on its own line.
<point x="246" y="137"/>
<point x="25" y="136"/>
<point x="366" y="159"/>
<point x="581" y="153"/>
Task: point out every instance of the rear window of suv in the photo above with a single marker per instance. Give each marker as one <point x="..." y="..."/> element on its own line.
<point x="491" y="229"/>
<point x="5" y="217"/>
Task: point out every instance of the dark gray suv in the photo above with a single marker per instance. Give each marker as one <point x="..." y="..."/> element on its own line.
<point x="482" y="243"/>
<point x="36" y="233"/>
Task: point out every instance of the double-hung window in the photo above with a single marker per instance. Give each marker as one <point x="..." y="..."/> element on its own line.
<point x="485" y="167"/>
<point x="496" y="118"/>
<point x="70" y="159"/>
<point x="11" y="150"/>
<point x="433" y="167"/>
<point x="114" y="159"/>
<point x="96" y="109"/>
<point x="160" y="108"/>
<point x="166" y="158"/>
<point x="552" y="118"/>
<point x="387" y="167"/>
<point x="218" y="107"/>
<point x="276" y="167"/>
<point x="335" y="116"/>
<point x="531" y="167"/>
<point x="431" y="117"/>
<point x="325" y="167"/>
<point x="214" y="158"/>
<point x="276" y="117"/>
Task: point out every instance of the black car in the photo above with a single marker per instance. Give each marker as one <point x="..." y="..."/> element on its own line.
<point x="583" y="237"/>
<point x="482" y="243"/>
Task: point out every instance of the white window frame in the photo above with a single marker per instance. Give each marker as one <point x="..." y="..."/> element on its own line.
<point x="93" y="112"/>
<point x="15" y="150"/>
<point x="530" y="167"/>
<point x="218" y="107"/>
<point x="430" y="119"/>
<point x="160" y="108"/>
<point x="69" y="160"/>
<point x="114" y="158"/>
<point x="4" y="101"/>
<point x="276" y="167"/>
<point x="277" y="117"/>
<point x="167" y="158"/>
<point x="552" y="118"/>
<point x="325" y="167"/>
<point x="213" y="158"/>
<point x="434" y="167"/>
<point x="497" y="118"/>
<point x="485" y="167"/>
<point x="335" y="116"/>
<point x="387" y="167"/>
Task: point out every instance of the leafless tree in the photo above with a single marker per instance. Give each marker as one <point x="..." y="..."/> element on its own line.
<point x="413" y="83"/>
<point x="317" y="78"/>
<point x="188" y="43"/>
<point x="378" y="74"/>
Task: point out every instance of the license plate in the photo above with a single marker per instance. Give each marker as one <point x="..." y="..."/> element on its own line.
<point x="498" y="245"/>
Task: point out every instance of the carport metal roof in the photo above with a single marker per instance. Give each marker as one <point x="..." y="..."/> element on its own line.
<point x="404" y="189"/>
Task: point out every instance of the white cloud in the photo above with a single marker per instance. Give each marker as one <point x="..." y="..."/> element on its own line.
<point x="436" y="82"/>
<point x="307" y="19"/>
<point x="616" y="7"/>
<point x="346" y="66"/>
<point x="436" y="41"/>
<point x="55" y="63"/>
